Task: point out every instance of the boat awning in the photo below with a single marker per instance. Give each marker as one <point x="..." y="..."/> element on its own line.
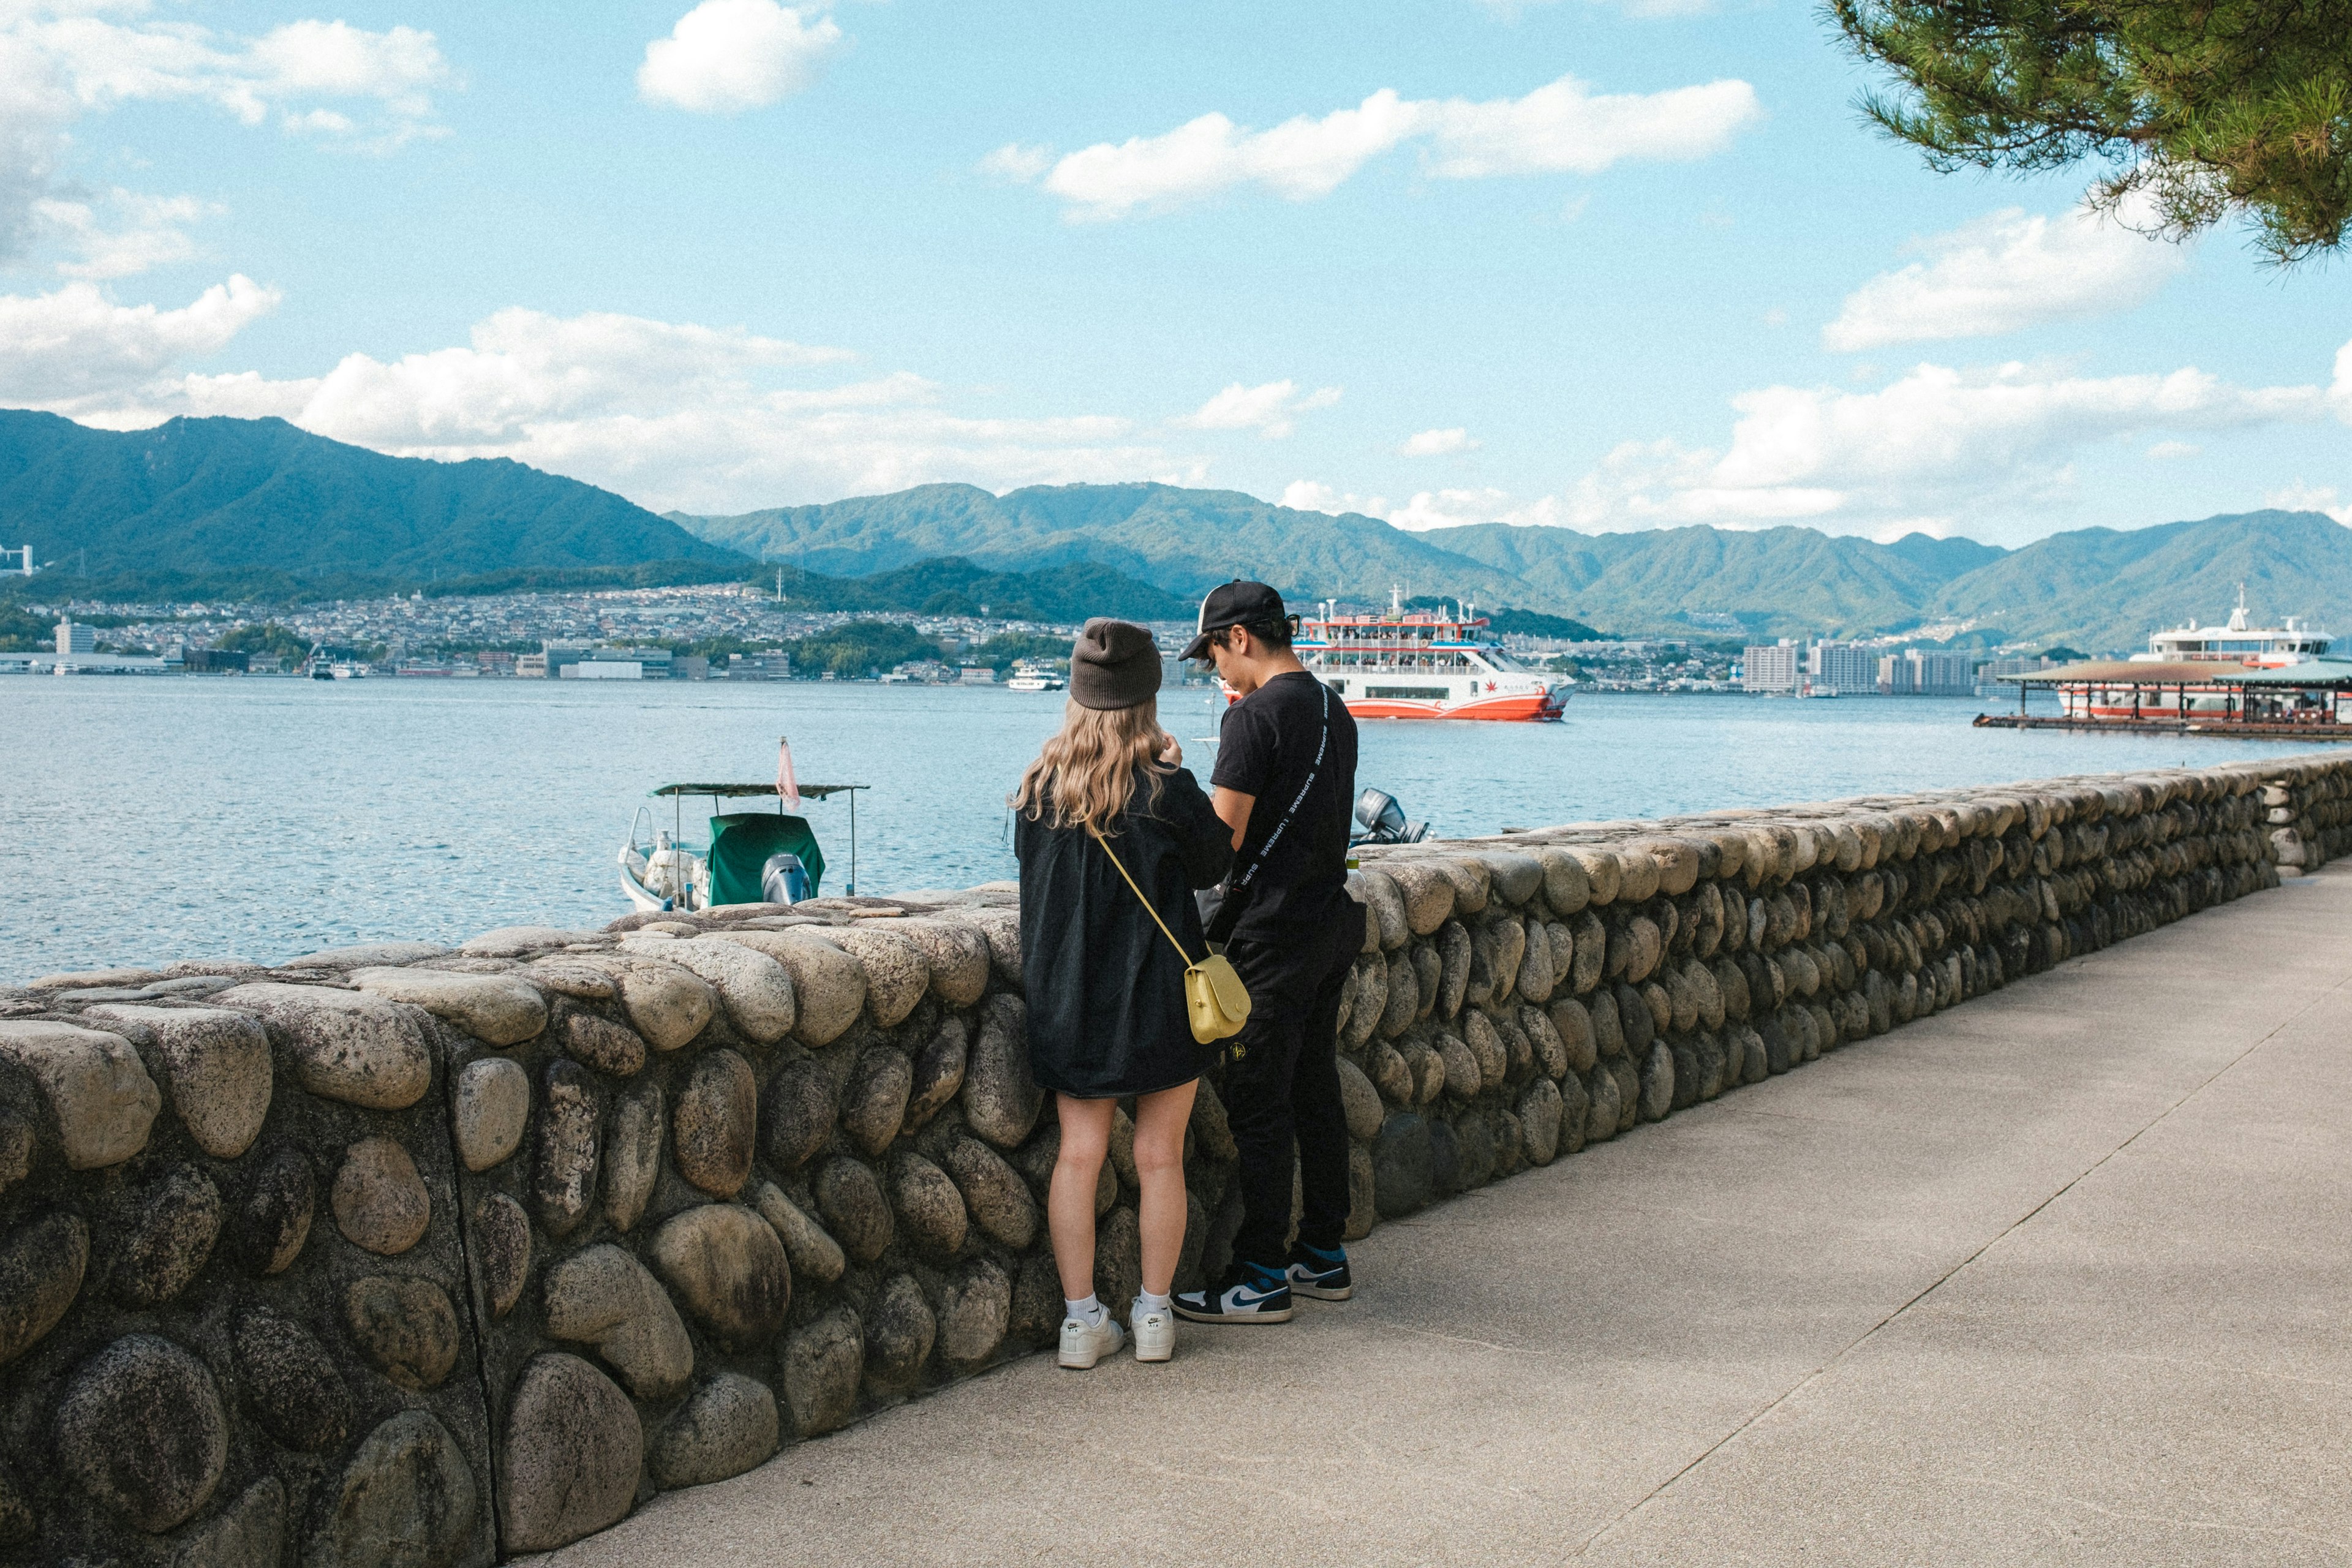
<point x="2318" y="674"/>
<point x="741" y="791"/>
<point x="2131" y="672"/>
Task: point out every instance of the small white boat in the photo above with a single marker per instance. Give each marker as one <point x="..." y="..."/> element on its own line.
<point x="752" y="857"/>
<point x="1030" y="676"/>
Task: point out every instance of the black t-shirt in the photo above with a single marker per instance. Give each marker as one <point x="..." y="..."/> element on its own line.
<point x="1274" y="747"/>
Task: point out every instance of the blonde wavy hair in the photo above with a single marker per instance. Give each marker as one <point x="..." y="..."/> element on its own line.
<point x="1084" y="776"/>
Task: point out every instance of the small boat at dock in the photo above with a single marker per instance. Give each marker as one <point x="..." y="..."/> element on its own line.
<point x="747" y="856"/>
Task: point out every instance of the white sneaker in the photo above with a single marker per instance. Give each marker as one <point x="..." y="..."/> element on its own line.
<point x="1155" y="1332"/>
<point x="1083" y="1346"/>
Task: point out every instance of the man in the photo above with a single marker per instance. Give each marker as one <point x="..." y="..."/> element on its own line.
<point x="1285" y="783"/>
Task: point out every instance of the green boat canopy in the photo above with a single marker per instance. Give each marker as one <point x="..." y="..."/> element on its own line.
<point x="741" y="844"/>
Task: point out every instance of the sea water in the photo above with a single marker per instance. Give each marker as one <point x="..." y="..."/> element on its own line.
<point x="148" y="820"/>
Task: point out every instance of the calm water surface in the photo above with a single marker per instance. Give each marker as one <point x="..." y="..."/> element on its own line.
<point x="160" y="819"/>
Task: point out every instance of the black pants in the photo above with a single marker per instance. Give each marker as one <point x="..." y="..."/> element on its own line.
<point x="1285" y="1087"/>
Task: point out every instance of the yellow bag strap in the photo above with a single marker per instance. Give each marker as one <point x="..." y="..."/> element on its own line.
<point x="1145" y="902"/>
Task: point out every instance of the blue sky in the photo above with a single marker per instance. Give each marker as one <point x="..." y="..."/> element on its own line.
<point x="1580" y="262"/>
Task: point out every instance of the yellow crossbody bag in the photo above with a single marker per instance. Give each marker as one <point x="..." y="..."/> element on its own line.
<point x="1214" y="996"/>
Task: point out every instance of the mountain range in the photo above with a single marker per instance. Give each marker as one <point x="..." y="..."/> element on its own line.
<point x="2099" y="587"/>
<point x="258" y="508"/>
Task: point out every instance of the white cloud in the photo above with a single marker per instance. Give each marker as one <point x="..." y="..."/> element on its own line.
<point x="1937" y="450"/>
<point x="1313" y="495"/>
<point x="59" y="61"/>
<point x="67" y="349"/>
<point x="2005" y="271"/>
<point x="1558" y="128"/>
<point x="729" y="55"/>
<point x="2167" y="451"/>
<point x="1438" y="443"/>
<point x="1271" y="409"/>
<point x="672" y="414"/>
<point x="2301" y="496"/>
<point x="128" y="233"/>
<point x="1018" y="162"/>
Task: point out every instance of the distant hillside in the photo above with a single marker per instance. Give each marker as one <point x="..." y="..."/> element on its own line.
<point x="2097" y="588"/>
<point x="1074" y="591"/>
<point x="1183" y="541"/>
<point x="258" y="502"/>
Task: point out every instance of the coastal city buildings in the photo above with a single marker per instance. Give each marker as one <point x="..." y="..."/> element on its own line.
<point x="1770" y="666"/>
<point x="1842" y="669"/>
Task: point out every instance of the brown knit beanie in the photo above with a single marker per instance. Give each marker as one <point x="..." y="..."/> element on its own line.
<point x="1113" y="664"/>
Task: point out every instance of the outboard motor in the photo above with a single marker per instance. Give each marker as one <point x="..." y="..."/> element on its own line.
<point x="783" y="881"/>
<point x="1380" y="820"/>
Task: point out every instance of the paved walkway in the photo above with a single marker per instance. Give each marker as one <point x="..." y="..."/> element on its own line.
<point x="2062" y="1276"/>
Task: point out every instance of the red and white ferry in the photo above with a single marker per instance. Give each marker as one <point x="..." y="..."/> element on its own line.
<point x="1414" y="664"/>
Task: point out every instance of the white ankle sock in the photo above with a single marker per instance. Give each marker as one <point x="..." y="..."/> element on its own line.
<point x="1146" y="1301"/>
<point x="1089" y="1311"/>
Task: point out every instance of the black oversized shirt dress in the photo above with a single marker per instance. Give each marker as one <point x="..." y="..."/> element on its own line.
<point x="1105" y="990"/>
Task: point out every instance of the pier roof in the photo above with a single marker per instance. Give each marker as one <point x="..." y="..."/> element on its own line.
<point x="2130" y="672"/>
<point x="2334" y="674"/>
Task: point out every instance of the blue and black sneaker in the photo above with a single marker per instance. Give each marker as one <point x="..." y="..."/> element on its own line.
<point x="1319" y="1275"/>
<point x="1249" y="1293"/>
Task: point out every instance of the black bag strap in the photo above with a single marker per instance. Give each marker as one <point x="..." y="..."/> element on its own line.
<point x="1322" y="747"/>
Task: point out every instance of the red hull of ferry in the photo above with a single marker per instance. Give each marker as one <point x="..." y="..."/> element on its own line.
<point x="1523" y="708"/>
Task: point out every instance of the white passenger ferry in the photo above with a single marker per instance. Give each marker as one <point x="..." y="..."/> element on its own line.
<point x="2173" y="678"/>
<point x="1414" y="664"/>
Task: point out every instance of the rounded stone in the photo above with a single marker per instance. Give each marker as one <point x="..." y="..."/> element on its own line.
<point x="289" y="1382"/>
<point x="607" y="1046"/>
<point x="346" y="1044"/>
<point x="975" y="1313"/>
<point x="41" y="1269"/>
<point x="273" y="1217"/>
<point x="252" y="1530"/>
<point x="407" y="1498"/>
<point x="927" y="1202"/>
<point x="1001" y="1099"/>
<point x="1360" y="1101"/>
<point x="1658" y="1082"/>
<point x="1477" y="1154"/>
<point x="492" y="1108"/>
<point x="571" y="1457"/>
<point x="713" y="1125"/>
<point x="564" y="1165"/>
<point x="380" y="1201"/>
<point x="1607" y="1105"/>
<point x="1539" y="1122"/>
<point x="669" y="1005"/>
<point x="1463" y="1074"/>
<point x="796" y="1114"/>
<point x="1363" y="1196"/>
<point x="727" y="1426"/>
<point x="632" y="1156"/>
<point x="140" y="1429"/>
<point x="849" y="1196"/>
<point x="728" y="1266"/>
<point x="98" y="1093"/>
<point x="1402" y="1177"/>
<point x="957" y="955"/>
<point x="829" y="984"/>
<point x="811" y="1251"/>
<point x="603" y="1297"/>
<point x="896" y="974"/>
<point x="502" y="1247"/>
<point x="873" y="1107"/>
<point x="939" y="1073"/>
<point x="899" y="1336"/>
<point x="824" y="1361"/>
<point x="406" y="1326"/>
<point x="217" y="1063"/>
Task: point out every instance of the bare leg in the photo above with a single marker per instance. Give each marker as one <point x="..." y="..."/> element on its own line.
<point x="1070" y="1201"/>
<point x="1159" y="1122"/>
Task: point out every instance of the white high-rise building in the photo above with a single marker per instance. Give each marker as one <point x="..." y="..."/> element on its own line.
<point x="1770" y="666"/>
<point x="1843" y="668"/>
<point x="74" y="637"/>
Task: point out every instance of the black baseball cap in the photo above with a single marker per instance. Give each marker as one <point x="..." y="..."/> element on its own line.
<point x="1233" y="604"/>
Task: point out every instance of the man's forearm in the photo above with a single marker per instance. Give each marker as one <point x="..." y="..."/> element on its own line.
<point x="1233" y="809"/>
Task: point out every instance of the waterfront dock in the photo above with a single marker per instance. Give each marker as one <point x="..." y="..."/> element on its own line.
<point x="2057" y="1276"/>
<point x="2214" y="728"/>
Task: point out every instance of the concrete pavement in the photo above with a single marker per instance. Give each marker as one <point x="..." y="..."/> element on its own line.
<point x="2060" y="1276"/>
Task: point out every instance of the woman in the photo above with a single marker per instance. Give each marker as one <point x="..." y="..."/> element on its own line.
<point x="1105" y="985"/>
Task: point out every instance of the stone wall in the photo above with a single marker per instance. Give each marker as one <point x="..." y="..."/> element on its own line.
<point x="400" y="1254"/>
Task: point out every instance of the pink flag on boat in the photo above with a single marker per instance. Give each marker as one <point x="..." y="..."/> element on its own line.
<point x="786" y="786"/>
